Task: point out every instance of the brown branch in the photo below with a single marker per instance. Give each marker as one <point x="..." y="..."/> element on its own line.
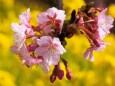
<point x="59" y="4"/>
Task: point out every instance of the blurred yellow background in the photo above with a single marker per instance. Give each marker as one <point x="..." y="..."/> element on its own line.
<point x="12" y="73"/>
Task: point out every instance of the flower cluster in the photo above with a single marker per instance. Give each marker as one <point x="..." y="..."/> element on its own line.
<point x="44" y="48"/>
<point x="44" y="44"/>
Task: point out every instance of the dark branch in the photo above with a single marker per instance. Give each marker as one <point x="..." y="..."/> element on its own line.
<point x="59" y="4"/>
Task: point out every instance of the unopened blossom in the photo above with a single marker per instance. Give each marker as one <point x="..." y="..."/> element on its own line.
<point x="51" y="18"/>
<point x="104" y="24"/>
<point x="50" y="48"/>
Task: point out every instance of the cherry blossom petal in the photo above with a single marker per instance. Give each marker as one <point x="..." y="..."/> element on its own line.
<point x="91" y="56"/>
<point x="18" y="28"/>
<point x="44" y="66"/>
<point x="87" y="53"/>
<point x="51" y="58"/>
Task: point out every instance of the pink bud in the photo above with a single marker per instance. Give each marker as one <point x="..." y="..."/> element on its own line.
<point x="60" y="74"/>
<point x="99" y="9"/>
<point x="52" y="78"/>
<point x="96" y="43"/>
<point x="69" y="75"/>
<point x="70" y="35"/>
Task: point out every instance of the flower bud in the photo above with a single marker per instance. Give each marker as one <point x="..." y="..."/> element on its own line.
<point x="32" y="47"/>
<point x="52" y="78"/>
<point x="69" y="75"/>
<point x="70" y="35"/>
<point x="73" y="17"/>
<point x="99" y="9"/>
<point x="60" y="74"/>
<point x="96" y="43"/>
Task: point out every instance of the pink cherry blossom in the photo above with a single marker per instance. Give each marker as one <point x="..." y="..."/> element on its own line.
<point x="89" y="52"/>
<point x="25" y="56"/>
<point x="104" y="24"/>
<point x="51" y="15"/>
<point x="29" y="60"/>
<point x="25" y="18"/>
<point x="19" y="34"/>
<point x="22" y="30"/>
<point x="50" y="48"/>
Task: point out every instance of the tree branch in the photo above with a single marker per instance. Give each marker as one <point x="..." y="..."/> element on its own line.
<point x="59" y="4"/>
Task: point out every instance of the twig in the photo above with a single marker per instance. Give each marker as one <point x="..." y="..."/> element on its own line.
<point x="59" y="4"/>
